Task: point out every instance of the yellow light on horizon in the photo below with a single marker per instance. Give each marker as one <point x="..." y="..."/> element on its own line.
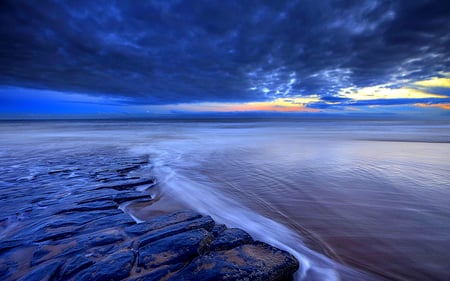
<point x="434" y="82"/>
<point x="383" y="92"/>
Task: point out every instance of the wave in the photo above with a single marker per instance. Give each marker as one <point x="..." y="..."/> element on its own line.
<point x="184" y="185"/>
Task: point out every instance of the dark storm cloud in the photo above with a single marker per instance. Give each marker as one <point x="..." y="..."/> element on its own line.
<point x="162" y="52"/>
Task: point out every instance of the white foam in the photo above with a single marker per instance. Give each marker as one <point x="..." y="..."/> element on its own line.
<point x="211" y="201"/>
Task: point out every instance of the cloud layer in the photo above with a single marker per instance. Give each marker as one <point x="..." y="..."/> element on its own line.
<point x="178" y="52"/>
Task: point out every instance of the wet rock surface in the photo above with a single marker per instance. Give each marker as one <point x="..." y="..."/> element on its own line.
<point x="79" y="231"/>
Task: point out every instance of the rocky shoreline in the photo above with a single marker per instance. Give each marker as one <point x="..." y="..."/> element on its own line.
<point x="86" y="236"/>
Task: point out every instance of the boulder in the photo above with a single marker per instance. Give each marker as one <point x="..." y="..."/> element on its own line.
<point x="217" y="229"/>
<point x="125" y="185"/>
<point x="230" y="238"/>
<point x="160" y="273"/>
<point x="162" y="221"/>
<point x="256" y="262"/>
<point x="129" y="196"/>
<point x="204" y="222"/>
<point x="174" y="249"/>
<point x="91" y="206"/>
<point x="43" y="272"/>
<point x="76" y="264"/>
<point x="114" y="267"/>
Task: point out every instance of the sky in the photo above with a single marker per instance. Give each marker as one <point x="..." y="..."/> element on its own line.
<point x="150" y="58"/>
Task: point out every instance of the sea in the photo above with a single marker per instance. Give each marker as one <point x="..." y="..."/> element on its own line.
<point x="351" y="199"/>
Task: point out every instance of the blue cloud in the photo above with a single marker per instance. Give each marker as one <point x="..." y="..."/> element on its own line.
<point x="168" y="52"/>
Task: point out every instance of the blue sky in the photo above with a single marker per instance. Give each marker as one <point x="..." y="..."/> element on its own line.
<point x="129" y="58"/>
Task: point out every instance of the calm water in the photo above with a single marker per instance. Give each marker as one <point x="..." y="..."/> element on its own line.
<point x="353" y="200"/>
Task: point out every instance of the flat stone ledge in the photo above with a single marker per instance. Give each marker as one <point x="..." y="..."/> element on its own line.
<point x="184" y="245"/>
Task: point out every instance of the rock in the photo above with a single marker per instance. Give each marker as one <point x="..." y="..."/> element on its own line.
<point x="162" y="221"/>
<point x="126" y="170"/>
<point x="159" y="274"/>
<point x="129" y="184"/>
<point x="204" y="222"/>
<point x="78" y="263"/>
<point x="129" y="196"/>
<point x="82" y="218"/>
<point x="9" y="244"/>
<point x="56" y="234"/>
<point x="107" y="244"/>
<point x="59" y="171"/>
<point x="118" y="220"/>
<point x="114" y="267"/>
<point x="115" y="177"/>
<point x="230" y="238"/>
<point x="217" y="229"/>
<point x="77" y="223"/>
<point x="91" y="206"/>
<point x="39" y="255"/>
<point x="7" y="267"/>
<point x="100" y="239"/>
<point x="174" y="249"/>
<point x="43" y="272"/>
<point x="96" y="198"/>
<point x="256" y="262"/>
<point x="108" y="239"/>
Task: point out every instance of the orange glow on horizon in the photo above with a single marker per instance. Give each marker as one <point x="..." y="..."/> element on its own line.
<point x="265" y="107"/>
<point x="445" y="106"/>
<point x="277" y="105"/>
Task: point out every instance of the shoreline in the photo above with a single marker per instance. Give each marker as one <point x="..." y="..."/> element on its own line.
<point x="87" y="236"/>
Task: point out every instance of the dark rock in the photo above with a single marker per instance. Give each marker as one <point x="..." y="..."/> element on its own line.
<point x="162" y="221"/>
<point x="128" y="185"/>
<point x="56" y="234"/>
<point x="76" y="247"/>
<point x="230" y="238"/>
<point x="81" y="218"/>
<point x="256" y="262"/>
<point x="78" y="263"/>
<point x="93" y="243"/>
<point x="92" y="194"/>
<point x="100" y="239"/>
<point x="114" y="177"/>
<point x="96" y="199"/>
<point x="39" y="254"/>
<point x="51" y="250"/>
<point x="131" y="195"/>
<point x="204" y="222"/>
<point x="128" y="169"/>
<point x="174" y="249"/>
<point x="59" y="171"/>
<point x="100" y="252"/>
<point x="115" y="267"/>
<point x="7" y="267"/>
<point x="9" y="244"/>
<point x="43" y="272"/>
<point x="91" y="206"/>
<point x="118" y="220"/>
<point x="73" y="223"/>
<point x="61" y="223"/>
<point x="159" y="274"/>
<point x="217" y="229"/>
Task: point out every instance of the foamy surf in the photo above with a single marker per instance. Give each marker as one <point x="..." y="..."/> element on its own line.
<point x="209" y="199"/>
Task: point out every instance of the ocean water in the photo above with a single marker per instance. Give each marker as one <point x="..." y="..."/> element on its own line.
<point x="351" y="199"/>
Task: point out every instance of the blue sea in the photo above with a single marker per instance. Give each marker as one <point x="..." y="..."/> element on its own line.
<point x="351" y="199"/>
